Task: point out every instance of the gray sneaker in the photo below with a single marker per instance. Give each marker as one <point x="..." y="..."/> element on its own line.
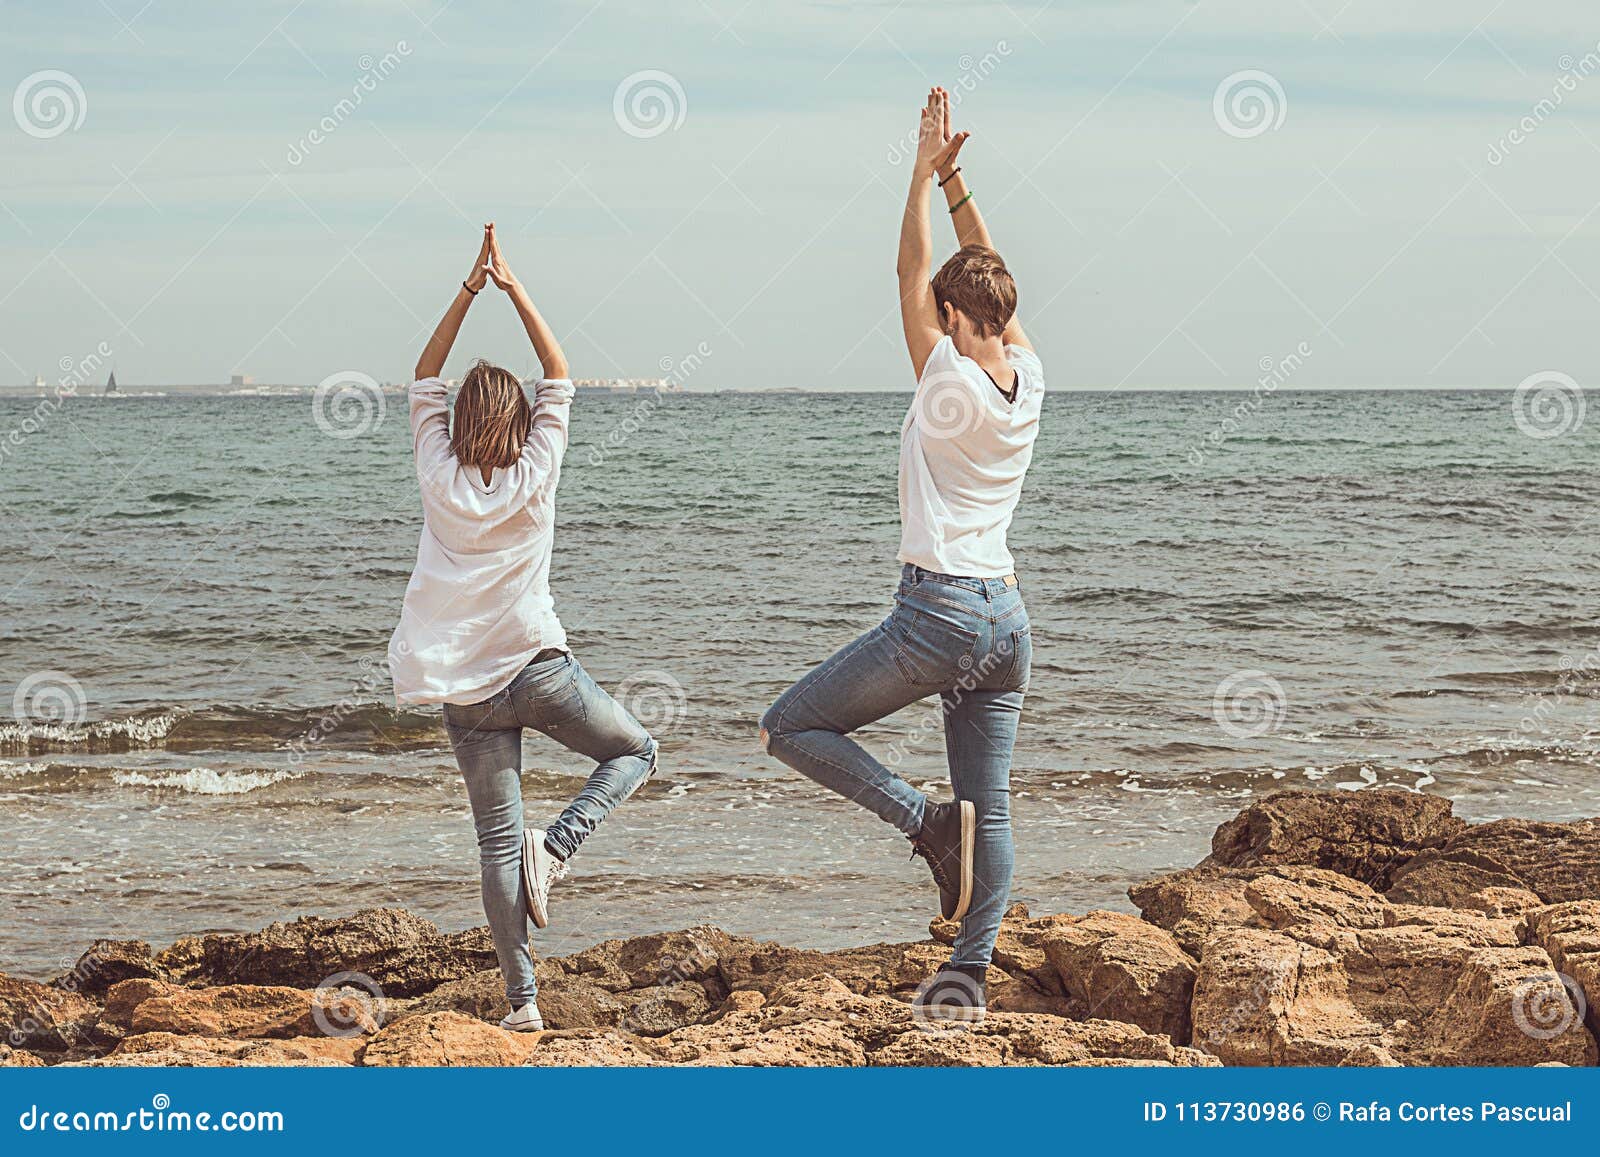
<point x="948" y="836"/>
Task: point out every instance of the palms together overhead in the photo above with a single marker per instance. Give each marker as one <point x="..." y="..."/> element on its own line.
<point x="937" y="146"/>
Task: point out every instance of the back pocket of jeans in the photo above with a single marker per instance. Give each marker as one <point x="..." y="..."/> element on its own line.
<point x="932" y="651"/>
<point x="561" y="705"/>
<point x="1021" y="659"/>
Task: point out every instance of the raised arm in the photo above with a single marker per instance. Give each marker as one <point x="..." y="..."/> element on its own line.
<point x="919" y="315"/>
<point x="964" y="213"/>
<point x="434" y="354"/>
<point x="552" y="362"/>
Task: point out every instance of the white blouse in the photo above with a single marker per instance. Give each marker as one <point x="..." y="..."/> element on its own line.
<point x="478" y="606"/>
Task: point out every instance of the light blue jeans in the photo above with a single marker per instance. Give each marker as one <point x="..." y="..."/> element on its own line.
<point x="555" y="696"/>
<point x="965" y="640"/>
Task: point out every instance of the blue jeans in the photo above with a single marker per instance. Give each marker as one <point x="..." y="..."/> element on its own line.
<point x="965" y="640"/>
<point x="555" y="696"/>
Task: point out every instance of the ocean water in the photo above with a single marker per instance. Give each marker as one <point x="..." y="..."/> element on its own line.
<point x="1337" y="590"/>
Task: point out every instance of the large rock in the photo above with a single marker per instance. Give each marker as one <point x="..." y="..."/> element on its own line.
<point x="441" y="1039"/>
<point x="1570" y="933"/>
<point x="1556" y="862"/>
<point x="1194" y="902"/>
<point x="1285" y="897"/>
<point x="1432" y="986"/>
<point x="1366" y="835"/>
<point x="37" y="1016"/>
<point x="1123" y="968"/>
<point x="821" y="1021"/>
<point x="168" y="1050"/>
<point x="109" y="962"/>
<point x="402" y="954"/>
<point x="250" y="1011"/>
<point x="11" y="1058"/>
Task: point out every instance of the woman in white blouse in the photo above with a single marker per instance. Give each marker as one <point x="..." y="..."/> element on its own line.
<point x="478" y="632"/>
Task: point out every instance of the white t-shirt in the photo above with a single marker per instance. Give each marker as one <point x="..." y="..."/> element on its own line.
<point x="964" y="451"/>
<point x="478" y="606"/>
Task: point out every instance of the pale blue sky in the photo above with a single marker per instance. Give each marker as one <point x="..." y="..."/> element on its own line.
<point x="1152" y="248"/>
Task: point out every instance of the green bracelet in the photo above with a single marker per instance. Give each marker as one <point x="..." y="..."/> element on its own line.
<point x="961" y="202"/>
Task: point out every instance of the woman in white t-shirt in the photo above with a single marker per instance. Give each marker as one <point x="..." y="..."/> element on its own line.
<point x="959" y="629"/>
<point x="478" y="632"/>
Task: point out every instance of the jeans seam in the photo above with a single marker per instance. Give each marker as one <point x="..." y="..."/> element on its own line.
<point x="783" y="715"/>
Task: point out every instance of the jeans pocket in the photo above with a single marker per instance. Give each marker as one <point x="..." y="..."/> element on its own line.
<point x="1021" y="659"/>
<point x="932" y="651"/>
<point x="558" y="702"/>
<point x="463" y="724"/>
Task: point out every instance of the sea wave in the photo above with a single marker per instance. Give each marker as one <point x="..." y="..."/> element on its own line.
<point x="227" y="727"/>
<point x="204" y="780"/>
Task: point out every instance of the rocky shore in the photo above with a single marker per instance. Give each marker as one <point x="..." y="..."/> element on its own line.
<point x="1326" y="928"/>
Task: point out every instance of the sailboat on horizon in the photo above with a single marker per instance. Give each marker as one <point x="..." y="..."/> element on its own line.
<point x="111" y="385"/>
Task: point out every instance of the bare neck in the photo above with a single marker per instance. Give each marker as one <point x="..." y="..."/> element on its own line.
<point x="990" y="353"/>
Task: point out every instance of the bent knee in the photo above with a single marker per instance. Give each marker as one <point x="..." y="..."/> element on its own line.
<point x="771" y="725"/>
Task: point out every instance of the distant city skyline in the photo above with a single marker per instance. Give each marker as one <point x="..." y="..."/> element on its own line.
<point x="1188" y="193"/>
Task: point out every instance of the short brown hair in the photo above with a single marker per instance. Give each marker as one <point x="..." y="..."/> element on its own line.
<point x="977" y="283"/>
<point x="492" y="418"/>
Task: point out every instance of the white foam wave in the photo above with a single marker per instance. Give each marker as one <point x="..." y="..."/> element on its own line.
<point x="205" y="780"/>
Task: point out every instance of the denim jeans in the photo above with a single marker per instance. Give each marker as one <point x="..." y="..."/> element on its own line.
<point x="557" y="697"/>
<point x="965" y="640"/>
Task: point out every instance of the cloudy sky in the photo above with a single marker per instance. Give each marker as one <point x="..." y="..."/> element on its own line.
<point x="728" y="175"/>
